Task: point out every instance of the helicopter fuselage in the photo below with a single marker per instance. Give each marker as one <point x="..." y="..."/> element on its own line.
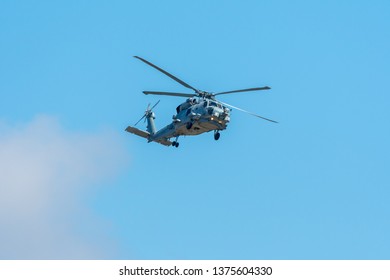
<point x="195" y="116"/>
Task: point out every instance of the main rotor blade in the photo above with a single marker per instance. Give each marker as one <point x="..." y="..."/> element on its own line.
<point x="170" y="93"/>
<point x="168" y="74"/>
<point x="253" y="114"/>
<point x="242" y="90"/>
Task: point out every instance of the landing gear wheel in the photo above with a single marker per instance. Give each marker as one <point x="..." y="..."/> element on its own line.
<point x="216" y="135"/>
<point x="189" y="125"/>
<point x="175" y="144"/>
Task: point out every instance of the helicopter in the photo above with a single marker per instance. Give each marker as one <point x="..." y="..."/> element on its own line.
<point x="200" y="113"/>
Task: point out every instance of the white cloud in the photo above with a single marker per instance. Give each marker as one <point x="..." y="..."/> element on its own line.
<point x="45" y="175"/>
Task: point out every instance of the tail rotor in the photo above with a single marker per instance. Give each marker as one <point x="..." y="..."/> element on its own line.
<point x="147" y="112"/>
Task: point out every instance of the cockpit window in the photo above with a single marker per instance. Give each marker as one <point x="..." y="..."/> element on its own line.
<point x="205" y="104"/>
<point x="215" y="104"/>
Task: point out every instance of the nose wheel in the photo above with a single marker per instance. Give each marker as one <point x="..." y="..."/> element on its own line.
<point x="216" y="135"/>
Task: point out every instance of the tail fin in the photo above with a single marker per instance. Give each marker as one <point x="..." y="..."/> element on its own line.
<point x="150" y="116"/>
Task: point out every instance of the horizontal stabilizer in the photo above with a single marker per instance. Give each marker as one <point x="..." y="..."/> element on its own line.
<point x="138" y="132"/>
<point x="145" y="134"/>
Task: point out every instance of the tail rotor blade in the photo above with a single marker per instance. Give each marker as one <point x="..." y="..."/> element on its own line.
<point x="155" y="105"/>
<point x="143" y="117"/>
<point x="242" y="110"/>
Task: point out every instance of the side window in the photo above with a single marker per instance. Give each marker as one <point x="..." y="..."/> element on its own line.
<point x="205" y="104"/>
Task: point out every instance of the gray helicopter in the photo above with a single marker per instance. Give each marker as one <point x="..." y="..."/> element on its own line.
<point x="200" y="113"/>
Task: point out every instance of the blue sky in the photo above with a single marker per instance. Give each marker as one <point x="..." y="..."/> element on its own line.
<point x="314" y="186"/>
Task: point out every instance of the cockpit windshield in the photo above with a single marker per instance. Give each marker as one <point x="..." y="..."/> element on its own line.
<point x="215" y="104"/>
